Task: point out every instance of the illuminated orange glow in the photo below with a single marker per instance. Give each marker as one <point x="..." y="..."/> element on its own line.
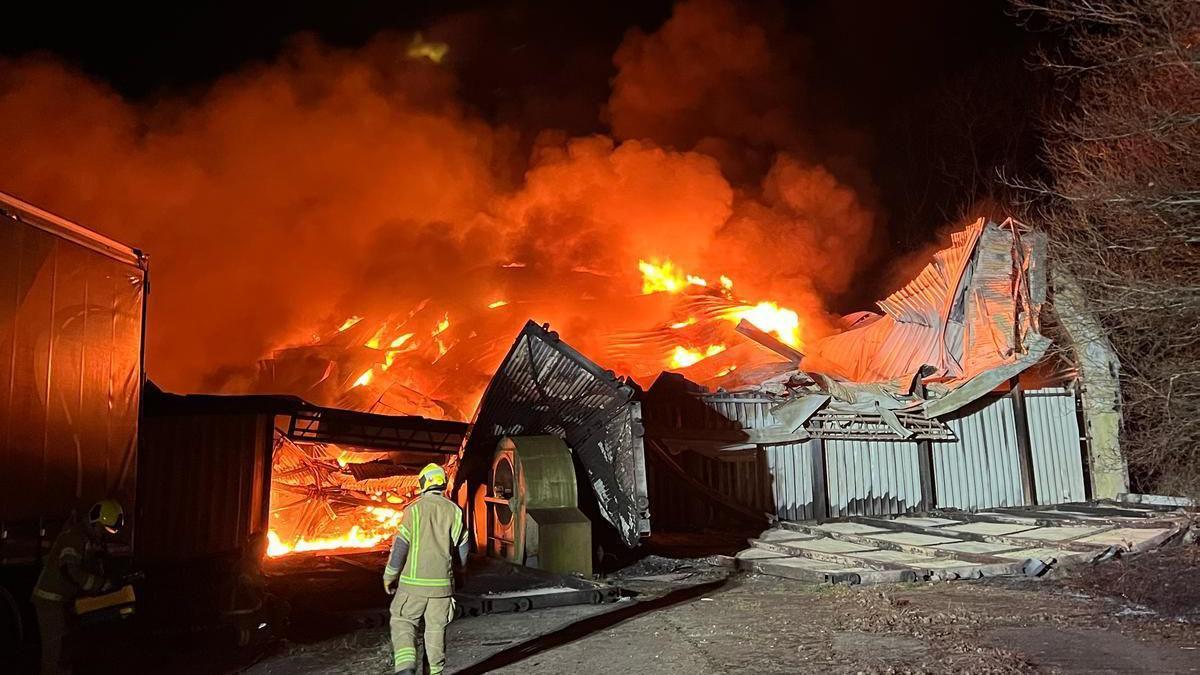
<point x="399" y="342"/>
<point x="376" y="340"/>
<point x="349" y="323"/>
<point x="498" y="303"/>
<point x="683" y="357"/>
<point x="725" y="371"/>
<point x="442" y="325"/>
<point x="691" y="321"/>
<point x="781" y="322"/>
<point x="726" y="283"/>
<point x="364" y="379"/>
<point x="373" y="535"/>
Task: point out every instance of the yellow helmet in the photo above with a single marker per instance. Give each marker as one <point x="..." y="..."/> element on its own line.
<point x="108" y="514"/>
<point x="432" y="476"/>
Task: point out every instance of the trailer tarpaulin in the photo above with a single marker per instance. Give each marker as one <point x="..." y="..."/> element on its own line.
<point x="71" y="321"/>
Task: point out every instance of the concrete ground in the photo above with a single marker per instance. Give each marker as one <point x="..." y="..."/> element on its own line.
<point x="761" y="624"/>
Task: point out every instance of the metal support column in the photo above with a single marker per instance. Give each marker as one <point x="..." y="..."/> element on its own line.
<point x="820" y="495"/>
<point x="1024" y="447"/>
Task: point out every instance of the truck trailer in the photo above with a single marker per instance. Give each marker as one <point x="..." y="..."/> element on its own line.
<point x="72" y="326"/>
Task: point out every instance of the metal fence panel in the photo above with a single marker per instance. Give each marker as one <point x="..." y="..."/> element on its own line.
<point x="982" y="468"/>
<point x="792" y="480"/>
<point x="872" y="478"/>
<point x="1054" y="440"/>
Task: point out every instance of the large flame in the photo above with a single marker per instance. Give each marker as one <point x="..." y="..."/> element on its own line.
<point x="372" y="535"/>
<point x="769" y="316"/>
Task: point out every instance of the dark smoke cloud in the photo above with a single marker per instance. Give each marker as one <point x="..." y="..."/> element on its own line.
<point x="329" y="182"/>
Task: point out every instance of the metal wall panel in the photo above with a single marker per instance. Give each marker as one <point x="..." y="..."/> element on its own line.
<point x="1055" y="441"/>
<point x="203" y="484"/>
<point x="982" y="468"/>
<point x="742" y="477"/>
<point x="792" y="481"/>
<point x="866" y="478"/>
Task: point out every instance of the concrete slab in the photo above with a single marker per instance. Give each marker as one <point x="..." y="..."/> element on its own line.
<point x="927" y="522"/>
<point x="919" y="562"/>
<point x="981" y="547"/>
<point x="1124" y="536"/>
<point x="913" y="539"/>
<point x="1059" y="533"/>
<point x="751" y="554"/>
<point x="826" y="545"/>
<point x="1043" y="554"/>
<point x="850" y="528"/>
<point x="778" y="536"/>
<point x="998" y="529"/>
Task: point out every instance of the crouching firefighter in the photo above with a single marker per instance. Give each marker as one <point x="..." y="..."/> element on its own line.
<point x="73" y="568"/>
<point x="422" y="564"/>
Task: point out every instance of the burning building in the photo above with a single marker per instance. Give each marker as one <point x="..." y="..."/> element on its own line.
<point x="950" y="398"/>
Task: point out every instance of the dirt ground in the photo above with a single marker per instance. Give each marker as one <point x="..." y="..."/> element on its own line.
<point x="1070" y="622"/>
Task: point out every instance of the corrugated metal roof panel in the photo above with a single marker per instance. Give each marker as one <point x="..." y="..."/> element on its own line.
<point x="959" y="315"/>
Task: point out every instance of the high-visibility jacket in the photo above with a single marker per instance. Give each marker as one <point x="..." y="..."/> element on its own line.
<point x="431" y="533"/>
<point x="72" y="568"/>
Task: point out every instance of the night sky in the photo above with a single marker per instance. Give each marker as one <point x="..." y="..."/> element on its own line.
<point x="931" y="97"/>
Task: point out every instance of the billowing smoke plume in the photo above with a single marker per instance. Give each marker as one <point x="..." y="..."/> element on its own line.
<point x="335" y="183"/>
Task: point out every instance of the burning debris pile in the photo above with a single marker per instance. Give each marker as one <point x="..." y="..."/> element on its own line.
<point x="429" y="363"/>
<point x="326" y="497"/>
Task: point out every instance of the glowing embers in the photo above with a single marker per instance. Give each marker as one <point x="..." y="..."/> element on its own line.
<point x="324" y="498"/>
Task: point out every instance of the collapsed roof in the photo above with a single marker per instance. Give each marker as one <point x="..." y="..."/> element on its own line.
<point x="966" y="324"/>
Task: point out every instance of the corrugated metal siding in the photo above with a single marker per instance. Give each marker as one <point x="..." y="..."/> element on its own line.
<point x="982" y="468"/>
<point x="716" y="411"/>
<point x="203" y="484"/>
<point x="1054" y="441"/>
<point x="871" y="477"/>
<point x="791" y="472"/>
<point x="742" y="476"/>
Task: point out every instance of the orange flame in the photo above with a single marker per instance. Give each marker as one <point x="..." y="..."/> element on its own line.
<point x="498" y="303"/>
<point x="683" y="357"/>
<point x="375" y="534"/>
<point x="666" y="277"/>
<point x="365" y="378"/>
<point x="349" y="323"/>
<point x="769" y="316"/>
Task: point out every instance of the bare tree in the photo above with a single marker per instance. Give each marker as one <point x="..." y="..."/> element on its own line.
<point x="1122" y="208"/>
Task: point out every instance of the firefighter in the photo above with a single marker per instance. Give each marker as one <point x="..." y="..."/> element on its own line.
<point x="420" y="572"/>
<point x="71" y="569"/>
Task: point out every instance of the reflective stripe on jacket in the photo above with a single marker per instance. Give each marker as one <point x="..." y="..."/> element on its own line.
<point x="432" y="528"/>
<point x="71" y="568"/>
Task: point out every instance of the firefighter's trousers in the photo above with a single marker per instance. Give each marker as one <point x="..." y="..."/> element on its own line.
<point x="407" y="612"/>
<point x="52" y="618"/>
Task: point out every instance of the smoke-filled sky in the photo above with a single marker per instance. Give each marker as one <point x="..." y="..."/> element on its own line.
<point x="287" y="169"/>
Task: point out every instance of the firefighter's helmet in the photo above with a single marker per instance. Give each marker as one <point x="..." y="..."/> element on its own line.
<point x="431" y="477"/>
<point x="108" y="514"/>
